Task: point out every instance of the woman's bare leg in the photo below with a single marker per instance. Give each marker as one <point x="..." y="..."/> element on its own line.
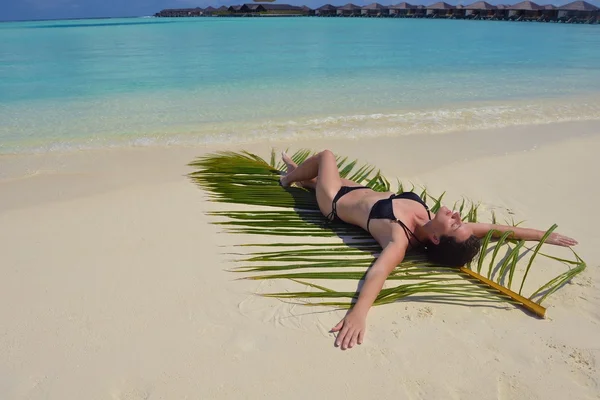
<point x="323" y="167"/>
<point x="306" y="171"/>
<point x="291" y="165"/>
<point x="312" y="183"/>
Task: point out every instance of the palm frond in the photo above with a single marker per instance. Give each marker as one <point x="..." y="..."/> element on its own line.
<point x="245" y="178"/>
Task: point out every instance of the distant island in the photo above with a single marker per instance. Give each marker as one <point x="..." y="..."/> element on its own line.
<point x="574" y="12"/>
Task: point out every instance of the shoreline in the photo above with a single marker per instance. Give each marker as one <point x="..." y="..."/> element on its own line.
<point x="516" y="139"/>
<point x="455" y="118"/>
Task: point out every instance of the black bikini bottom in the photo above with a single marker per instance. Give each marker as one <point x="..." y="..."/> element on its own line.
<point x="344" y="190"/>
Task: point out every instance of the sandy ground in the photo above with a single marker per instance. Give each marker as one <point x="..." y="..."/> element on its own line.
<point x="114" y="284"/>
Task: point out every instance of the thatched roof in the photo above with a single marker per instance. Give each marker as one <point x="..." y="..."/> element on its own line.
<point x="525" y="5"/>
<point x="403" y="6"/>
<point x="480" y="5"/>
<point x="223" y="8"/>
<point x="375" y="6"/>
<point x="548" y="7"/>
<point x="306" y="8"/>
<point x="327" y="7"/>
<point x="440" y="5"/>
<point x="349" y="7"/>
<point x="502" y="6"/>
<point x="578" y="6"/>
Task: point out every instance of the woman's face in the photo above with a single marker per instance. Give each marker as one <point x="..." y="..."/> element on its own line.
<point x="448" y="223"/>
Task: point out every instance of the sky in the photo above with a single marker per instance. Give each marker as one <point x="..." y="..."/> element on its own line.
<point x="14" y="10"/>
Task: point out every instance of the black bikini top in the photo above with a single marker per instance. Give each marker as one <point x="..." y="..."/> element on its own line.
<point x="384" y="209"/>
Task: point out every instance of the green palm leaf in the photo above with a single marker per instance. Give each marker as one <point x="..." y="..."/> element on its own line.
<point x="245" y="178"/>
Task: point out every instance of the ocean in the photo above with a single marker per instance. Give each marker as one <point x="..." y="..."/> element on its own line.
<point x="67" y="85"/>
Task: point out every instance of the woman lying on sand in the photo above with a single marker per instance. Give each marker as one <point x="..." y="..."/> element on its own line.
<point x="398" y="222"/>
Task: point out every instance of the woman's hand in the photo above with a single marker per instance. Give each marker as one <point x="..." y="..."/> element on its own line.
<point x="560" y="240"/>
<point x="351" y="330"/>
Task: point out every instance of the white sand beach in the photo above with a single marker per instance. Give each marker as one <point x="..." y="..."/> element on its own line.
<point x="115" y="284"/>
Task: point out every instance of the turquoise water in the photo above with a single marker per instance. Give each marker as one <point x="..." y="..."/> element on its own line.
<point x="81" y="84"/>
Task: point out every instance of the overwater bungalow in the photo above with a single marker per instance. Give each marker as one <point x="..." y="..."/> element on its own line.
<point x="440" y="10"/>
<point x="326" y="11"/>
<point x="287" y="9"/>
<point x="548" y="13"/>
<point x="578" y="11"/>
<point x="246" y="9"/>
<point x="348" y="10"/>
<point x="307" y="10"/>
<point x="375" y="10"/>
<point x="459" y="12"/>
<point x="480" y="10"/>
<point x="524" y="11"/>
<point x="237" y="9"/>
<point x="501" y="12"/>
<point x="208" y="11"/>
<point x="406" y="10"/>
<point x="195" y="12"/>
<point x="256" y="8"/>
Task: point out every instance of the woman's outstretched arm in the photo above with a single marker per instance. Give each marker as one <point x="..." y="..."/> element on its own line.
<point x="352" y="328"/>
<point x="481" y="229"/>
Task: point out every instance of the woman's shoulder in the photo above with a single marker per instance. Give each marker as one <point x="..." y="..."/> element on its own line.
<point x="398" y="239"/>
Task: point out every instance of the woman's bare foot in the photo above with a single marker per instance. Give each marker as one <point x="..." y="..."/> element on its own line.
<point x="290" y="164"/>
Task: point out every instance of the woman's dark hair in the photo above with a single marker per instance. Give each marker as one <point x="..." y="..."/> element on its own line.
<point x="452" y="253"/>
